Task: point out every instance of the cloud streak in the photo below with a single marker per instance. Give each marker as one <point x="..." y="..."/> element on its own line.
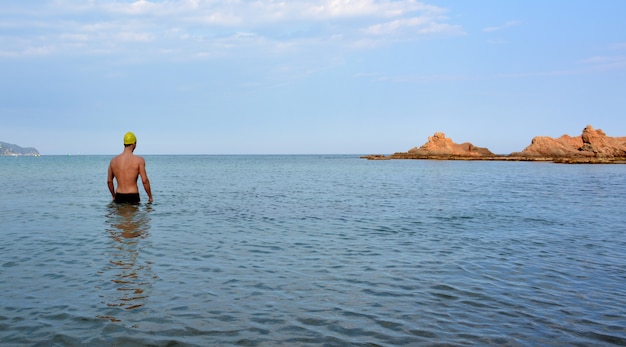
<point x="509" y="24"/>
<point x="606" y="62"/>
<point x="195" y="27"/>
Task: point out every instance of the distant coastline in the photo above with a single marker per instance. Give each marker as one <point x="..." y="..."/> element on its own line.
<point x="12" y="150"/>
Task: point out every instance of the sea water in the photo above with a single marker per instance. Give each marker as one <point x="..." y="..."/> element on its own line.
<point x="313" y="251"/>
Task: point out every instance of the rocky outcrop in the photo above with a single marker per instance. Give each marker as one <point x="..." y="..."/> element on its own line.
<point x="439" y="144"/>
<point x="590" y="144"/>
<point x="441" y="147"/>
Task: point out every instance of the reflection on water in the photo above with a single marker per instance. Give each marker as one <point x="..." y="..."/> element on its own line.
<point x="130" y="276"/>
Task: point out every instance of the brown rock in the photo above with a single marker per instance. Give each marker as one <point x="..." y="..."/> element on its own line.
<point x="591" y="147"/>
<point x="375" y="157"/>
<point x="591" y="143"/>
<point x="440" y="145"/>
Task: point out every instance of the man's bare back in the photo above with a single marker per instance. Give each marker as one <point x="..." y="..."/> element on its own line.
<point x="126" y="169"/>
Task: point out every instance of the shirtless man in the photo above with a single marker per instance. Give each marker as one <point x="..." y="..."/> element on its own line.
<point x="126" y="168"/>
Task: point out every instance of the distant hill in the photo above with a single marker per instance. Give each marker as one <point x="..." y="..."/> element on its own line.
<point x="11" y="149"/>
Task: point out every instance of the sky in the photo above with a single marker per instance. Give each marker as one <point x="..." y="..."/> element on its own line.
<point x="307" y="76"/>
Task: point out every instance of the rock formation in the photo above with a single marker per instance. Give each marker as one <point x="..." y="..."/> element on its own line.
<point x="439" y="144"/>
<point x="590" y="144"/>
<point x="441" y="147"/>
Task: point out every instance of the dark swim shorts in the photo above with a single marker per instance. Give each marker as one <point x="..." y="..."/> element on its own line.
<point x="130" y="198"/>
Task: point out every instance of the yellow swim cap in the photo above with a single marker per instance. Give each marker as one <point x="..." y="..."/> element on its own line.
<point x="129" y="138"/>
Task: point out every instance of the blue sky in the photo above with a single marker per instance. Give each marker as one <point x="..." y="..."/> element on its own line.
<point x="308" y="76"/>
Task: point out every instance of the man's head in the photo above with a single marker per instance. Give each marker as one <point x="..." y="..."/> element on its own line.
<point x="129" y="139"/>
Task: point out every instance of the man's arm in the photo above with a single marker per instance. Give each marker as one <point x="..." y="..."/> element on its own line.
<point x="110" y="182"/>
<point x="144" y="179"/>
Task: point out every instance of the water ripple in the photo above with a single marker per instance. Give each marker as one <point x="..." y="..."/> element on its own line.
<point x="298" y="250"/>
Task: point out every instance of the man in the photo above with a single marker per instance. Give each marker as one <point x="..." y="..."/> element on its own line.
<point x="126" y="168"/>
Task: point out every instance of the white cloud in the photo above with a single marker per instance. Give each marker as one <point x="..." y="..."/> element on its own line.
<point x="135" y="8"/>
<point x="393" y="26"/>
<point x="606" y="62"/>
<point x="354" y="8"/>
<point x="130" y="36"/>
<point x="238" y="11"/>
<point x="79" y="26"/>
<point x="28" y="51"/>
<point x="76" y="37"/>
<point x="410" y="28"/>
<point x="257" y="13"/>
<point x="506" y="25"/>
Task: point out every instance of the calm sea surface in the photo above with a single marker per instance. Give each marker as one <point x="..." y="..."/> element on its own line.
<point x="313" y="251"/>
